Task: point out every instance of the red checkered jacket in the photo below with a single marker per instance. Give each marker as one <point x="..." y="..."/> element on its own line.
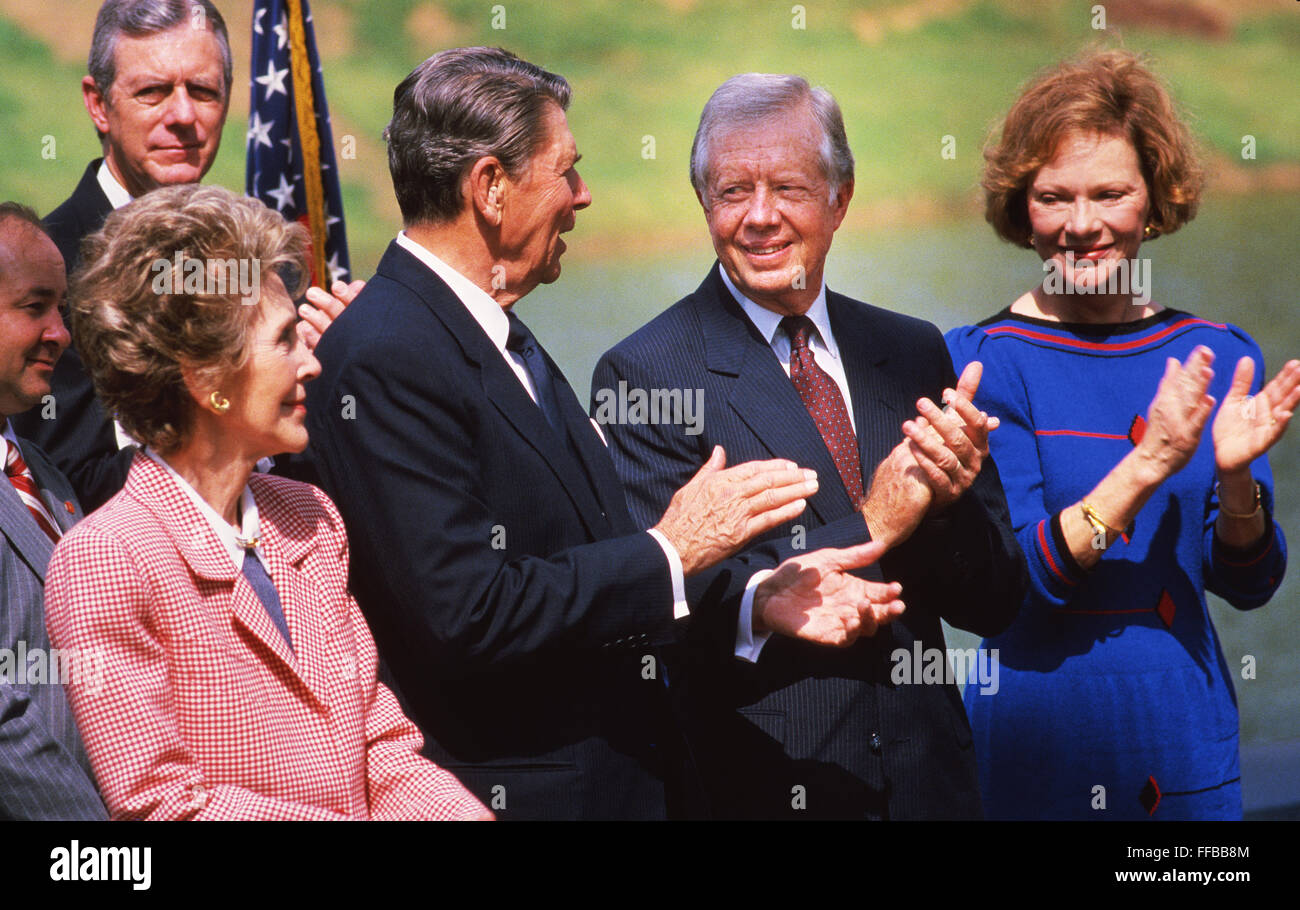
<point x="190" y="701"/>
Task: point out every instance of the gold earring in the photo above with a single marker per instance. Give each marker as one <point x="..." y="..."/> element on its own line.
<point x="1148" y="232"/>
<point x="220" y="403"/>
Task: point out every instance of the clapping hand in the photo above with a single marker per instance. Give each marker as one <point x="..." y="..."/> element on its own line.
<point x="814" y="597"/>
<point x="950" y="446"/>
<point x="720" y="508"/>
<point x="936" y="463"/>
<point x="1178" y="413"/>
<point x="1247" y="427"/>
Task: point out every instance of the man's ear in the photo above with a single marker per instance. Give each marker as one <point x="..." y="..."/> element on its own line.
<point x="840" y="204"/>
<point x="487" y="189"/>
<point x="96" y="103"/>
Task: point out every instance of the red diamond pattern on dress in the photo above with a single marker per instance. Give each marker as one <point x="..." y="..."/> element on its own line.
<point x="1165" y="609"/>
<point x="1150" y="796"/>
<point x="824" y="401"/>
<point x="1137" y="429"/>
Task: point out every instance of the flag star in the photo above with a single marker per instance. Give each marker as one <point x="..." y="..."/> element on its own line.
<point x="273" y="80"/>
<point x="282" y="32"/>
<point x="330" y="220"/>
<point x="259" y="133"/>
<point x="257" y="21"/>
<point x="283" y="195"/>
<point x="336" y="271"/>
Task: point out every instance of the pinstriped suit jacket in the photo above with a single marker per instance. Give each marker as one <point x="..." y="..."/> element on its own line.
<point x="829" y="722"/>
<point x="44" y="772"/>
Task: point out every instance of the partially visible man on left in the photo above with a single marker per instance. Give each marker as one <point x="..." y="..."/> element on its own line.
<point x="157" y="91"/>
<point x="44" y="771"/>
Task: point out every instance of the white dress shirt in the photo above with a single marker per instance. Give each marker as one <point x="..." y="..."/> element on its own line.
<point x="827" y="354"/>
<point x="116" y="193"/>
<point x="250" y="529"/>
<point x="492" y="318"/>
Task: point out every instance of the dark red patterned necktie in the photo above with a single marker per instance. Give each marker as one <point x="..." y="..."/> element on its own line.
<point x="22" y="480"/>
<point x="822" y="397"/>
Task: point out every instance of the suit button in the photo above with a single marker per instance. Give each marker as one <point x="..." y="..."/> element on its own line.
<point x="875" y="742"/>
<point x="198" y="796"/>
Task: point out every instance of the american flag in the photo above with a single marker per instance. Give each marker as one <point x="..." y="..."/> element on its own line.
<point x="291" y="165"/>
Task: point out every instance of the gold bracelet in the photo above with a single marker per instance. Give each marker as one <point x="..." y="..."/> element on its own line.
<point x="1258" y="504"/>
<point x="1098" y="523"/>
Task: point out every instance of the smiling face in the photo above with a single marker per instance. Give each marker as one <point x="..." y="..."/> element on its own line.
<point x="32" y="335"/>
<point x="1090" y="200"/>
<point x="769" y="210"/>
<point x="267" y="415"/>
<point x="539" y="206"/>
<point x="165" y="109"/>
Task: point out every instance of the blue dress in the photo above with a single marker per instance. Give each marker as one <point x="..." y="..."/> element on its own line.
<point x="1113" y="697"/>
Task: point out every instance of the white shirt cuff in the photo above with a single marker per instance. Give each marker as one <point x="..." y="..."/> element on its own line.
<point x="680" y="607"/>
<point x="748" y="644"/>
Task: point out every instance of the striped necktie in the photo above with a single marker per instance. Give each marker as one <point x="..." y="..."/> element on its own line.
<point x="21" y="477"/>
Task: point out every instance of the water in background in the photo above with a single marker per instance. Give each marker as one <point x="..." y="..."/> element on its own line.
<point x="1238" y="262"/>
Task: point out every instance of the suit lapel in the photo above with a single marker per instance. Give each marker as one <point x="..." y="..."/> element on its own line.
<point x="92" y="205"/>
<point x="863" y="353"/>
<point x="192" y="535"/>
<point x="55" y="492"/>
<point x="287" y="542"/>
<point x="508" y="396"/>
<point x="763" y="396"/>
<point x="590" y="449"/>
<point x="502" y="387"/>
<point x="24" y="535"/>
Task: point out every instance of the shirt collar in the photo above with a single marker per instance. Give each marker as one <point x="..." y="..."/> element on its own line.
<point x="8" y="434"/>
<point x="116" y="193"/>
<point x="486" y="311"/>
<point x="768" y="323"/>
<point x="250" y="526"/>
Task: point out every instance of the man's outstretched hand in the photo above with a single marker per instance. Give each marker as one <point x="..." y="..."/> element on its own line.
<point x="814" y="597"/>
<point x="721" y="508"/>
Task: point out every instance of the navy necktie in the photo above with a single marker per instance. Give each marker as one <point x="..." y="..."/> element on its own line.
<point x="521" y="342"/>
<point x="257" y="576"/>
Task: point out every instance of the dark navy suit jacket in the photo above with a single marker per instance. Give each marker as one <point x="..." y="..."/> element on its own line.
<point x="811" y="731"/>
<point x="513" y="600"/>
